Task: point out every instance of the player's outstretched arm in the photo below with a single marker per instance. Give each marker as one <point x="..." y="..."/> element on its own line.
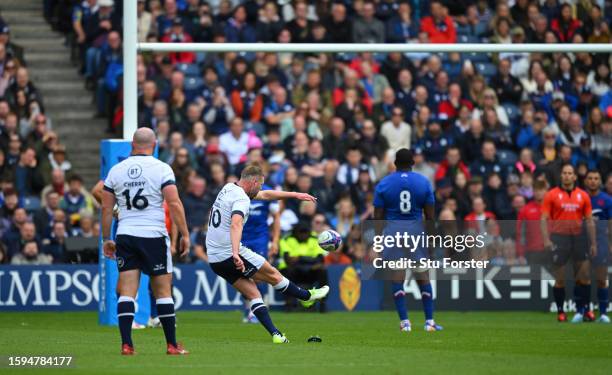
<point x="177" y="212"/>
<point x="273" y="195"/>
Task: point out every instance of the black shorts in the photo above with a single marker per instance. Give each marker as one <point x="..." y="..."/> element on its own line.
<point x="567" y="246"/>
<point x="150" y="255"/>
<point x="227" y="270"/>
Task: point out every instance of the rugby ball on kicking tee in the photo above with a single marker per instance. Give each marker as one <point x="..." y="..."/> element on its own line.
<point x="330" y="240"/>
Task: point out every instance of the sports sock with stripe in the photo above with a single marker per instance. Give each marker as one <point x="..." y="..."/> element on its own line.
<point x="259" y="309"/>
<point x="125" y="314"/>
<point x="288" y="288"/>
<point x="167" y="318"/>
<point x="400" y="300"/>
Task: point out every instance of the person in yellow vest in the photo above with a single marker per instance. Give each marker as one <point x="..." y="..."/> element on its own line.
<point x="301" y="259"/>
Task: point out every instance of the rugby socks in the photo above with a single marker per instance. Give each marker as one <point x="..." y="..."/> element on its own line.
<point x="602" y="297"/>
<point x="126" y="309"/>
<point x="153" y="304"/>
<point x="165" y="311"/>
<point x="582" y="298"/>
<point x="559" y="295"/>
<point x="400" y="300"/>
<point x="259" y="309"/>
<point x="427" y="299"/>
<point x="288" y="288"/>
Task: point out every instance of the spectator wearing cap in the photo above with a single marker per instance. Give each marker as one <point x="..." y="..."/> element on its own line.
<point x="396" y="131"/>
<point x="30" y="255"/>
<point x="177" y="34"/>
<point x="439" y="26"/>
<point x="12" y="50"/>
<point x="435" y="142"/>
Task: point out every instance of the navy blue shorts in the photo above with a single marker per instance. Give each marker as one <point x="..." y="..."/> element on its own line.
<point x="227" y="269"/>
<point x="150" y="255"/>
<point x="566" y="247"/>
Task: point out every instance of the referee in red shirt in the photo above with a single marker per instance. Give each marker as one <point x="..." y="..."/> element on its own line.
<point x="563" y="210"/>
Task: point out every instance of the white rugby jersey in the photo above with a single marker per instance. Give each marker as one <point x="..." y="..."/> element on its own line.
<point x="231" y="200"/>
<point x="137" y="183"/>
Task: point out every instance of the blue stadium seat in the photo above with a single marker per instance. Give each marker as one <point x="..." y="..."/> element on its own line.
<point x="190" y="70"/>
<point x="453" y="70"/>
<point x="512" y="111"/>
<point x="476" y="57"/>
<point x="31" y="204"/>
<point x="193" y="83"/>
<point x="488" y="70"/>
<point x="467" y="39"/>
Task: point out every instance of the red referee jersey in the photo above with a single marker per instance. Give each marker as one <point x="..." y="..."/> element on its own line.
<point x="566" y="209"/>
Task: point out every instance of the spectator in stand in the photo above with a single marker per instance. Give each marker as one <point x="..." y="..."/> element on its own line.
<point x="23" y="86"/>
<point x="7" y="210"/>
<point x="23" y="231"/>
<point x="338" y="25"/>
<point x="58" y="185"/>
<point x="488" y="162"/>
<point x="30" y="255"/>
<point x="300" y="27"/>
<point x="177" y="34"/>
<point x="55" y="244"/>
<point x="401" y="28"/>
<point x="28" y="180"/>
<point x="565" y="26"/>
<point x="348" y="173"/>
<point x="345" y="217"/>
<point x="43" y="217"/>
<point x="367" y="28"/>
<point x="396" y="131"/>
<point x="507" y="87"/>
<point x="197" y="203"/>
<point x="219" y="112"/>
<point x="76" y="200"/>
<point x="234" y="143"/>
<point x="439" y="26"/>
<point x="452" y="165"/>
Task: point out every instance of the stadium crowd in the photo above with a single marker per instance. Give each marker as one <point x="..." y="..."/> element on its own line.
<point x="488" y="130"/>
<point x="42" y="202"/>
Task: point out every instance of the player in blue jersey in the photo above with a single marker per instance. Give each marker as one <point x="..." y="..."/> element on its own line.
<point x="602" y="211"/>
<point x="256" y="236"/>
<point x="407" y="196"/>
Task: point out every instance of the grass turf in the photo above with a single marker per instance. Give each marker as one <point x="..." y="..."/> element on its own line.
<point x="355" y="343"/>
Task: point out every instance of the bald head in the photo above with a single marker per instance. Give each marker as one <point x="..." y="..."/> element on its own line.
<point x="143" y="141"/>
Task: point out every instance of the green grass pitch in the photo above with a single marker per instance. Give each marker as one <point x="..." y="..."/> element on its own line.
<point x="353" y="343"/>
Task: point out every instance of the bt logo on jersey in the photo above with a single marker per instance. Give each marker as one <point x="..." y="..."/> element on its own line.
<point x="134" y="171"/>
